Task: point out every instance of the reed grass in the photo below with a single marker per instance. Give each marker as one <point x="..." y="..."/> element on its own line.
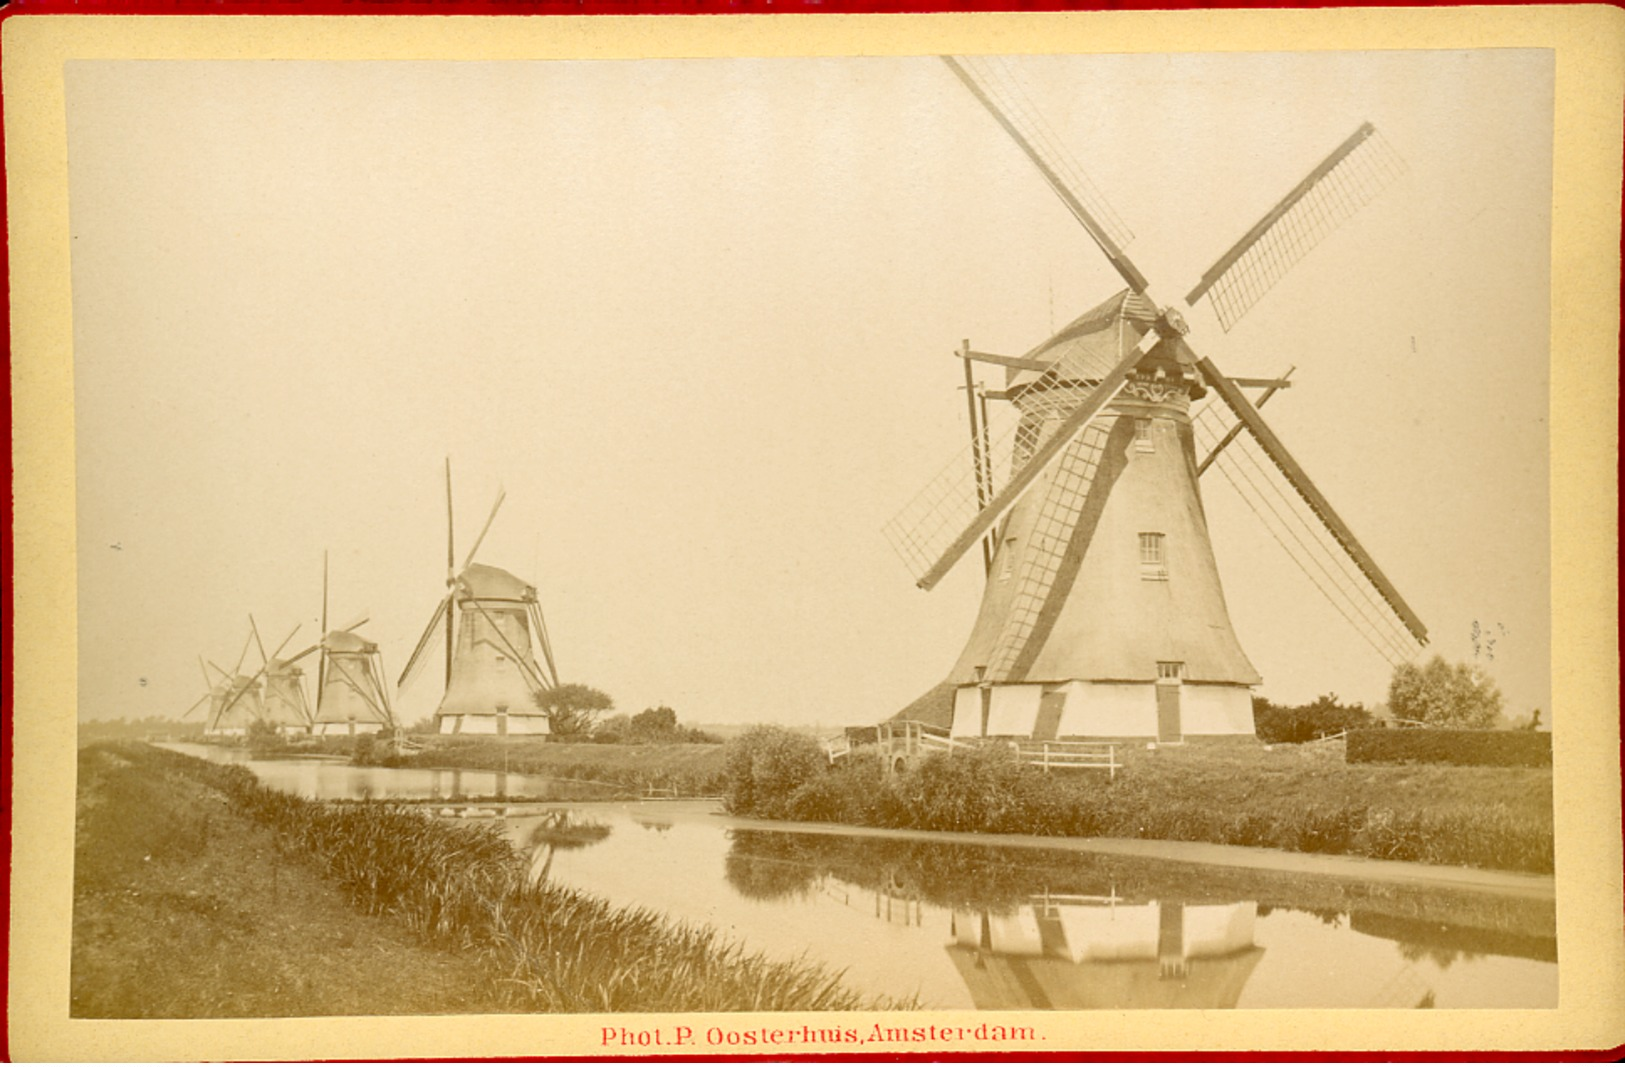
<point x="548" y="948"/>
<point x="1295" y="799"/>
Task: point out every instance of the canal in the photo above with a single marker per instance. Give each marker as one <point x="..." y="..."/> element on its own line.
<point x="979" y="926"/>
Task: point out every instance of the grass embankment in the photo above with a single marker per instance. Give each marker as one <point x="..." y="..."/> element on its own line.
<point x="184" y="908"/>
<point x="505" y="945"/>
<point x="1301" y="798"/>
<point x="688" y="770"/>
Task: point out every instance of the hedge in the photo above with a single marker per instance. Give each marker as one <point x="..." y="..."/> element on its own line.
<point x="1463" y="748"/>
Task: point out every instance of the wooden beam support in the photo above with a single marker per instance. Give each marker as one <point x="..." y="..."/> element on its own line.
<point x="1282" y="383"/>
<point x="1018" y="362"/>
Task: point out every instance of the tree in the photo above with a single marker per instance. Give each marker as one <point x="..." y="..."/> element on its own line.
<point x="572" y="709"/>
<point x="655" y="721"/>
<point x="1444" y="694"/>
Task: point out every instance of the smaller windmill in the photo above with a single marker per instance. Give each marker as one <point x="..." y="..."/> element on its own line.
<point x="233" y="697"/>
<point x="215" y="694"/>
<point x="246" y="699"/>
<point x="494" y="627"/>
<point x="352" y="694"/>
<point x="286" y="707"/>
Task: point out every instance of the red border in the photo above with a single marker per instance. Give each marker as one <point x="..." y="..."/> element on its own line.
<point x="672" y="8"/>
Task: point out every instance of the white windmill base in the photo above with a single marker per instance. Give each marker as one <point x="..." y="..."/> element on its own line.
<point x="492" y="725"/>
<point x="1161" y="711"/>
<point x="345" y="729"/>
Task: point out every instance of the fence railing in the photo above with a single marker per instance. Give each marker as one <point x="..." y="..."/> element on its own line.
<point x="912" y="738"/>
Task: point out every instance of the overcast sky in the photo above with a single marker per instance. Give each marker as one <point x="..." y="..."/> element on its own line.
<point x="697" y="316"/>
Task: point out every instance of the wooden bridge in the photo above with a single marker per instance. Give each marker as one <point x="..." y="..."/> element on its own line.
<point x="900" y="743"/>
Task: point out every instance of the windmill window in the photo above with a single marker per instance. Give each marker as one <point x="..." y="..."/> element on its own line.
<point x="1153" y="557"/>
<point x="1142" y="436"/>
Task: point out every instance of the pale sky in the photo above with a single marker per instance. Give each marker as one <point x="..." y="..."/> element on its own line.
<point x="696" y="317"/>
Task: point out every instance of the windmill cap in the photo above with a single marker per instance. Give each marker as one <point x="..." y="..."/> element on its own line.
<point x="345" y="641"/>
<point x="1082" y="349"/>
<point x="493" y="583"/>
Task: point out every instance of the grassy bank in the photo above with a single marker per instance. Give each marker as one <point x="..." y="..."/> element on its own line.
<point x="1301" y="798"/>
<point x="185" y="908"/>
<point x="460" y="889"/>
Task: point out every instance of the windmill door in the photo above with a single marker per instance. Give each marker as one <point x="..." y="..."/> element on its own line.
<point x="1050" y="706"/>
<point x="1169" y="679"/>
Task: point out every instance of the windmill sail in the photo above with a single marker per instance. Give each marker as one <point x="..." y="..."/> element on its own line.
<point x="1300" y="518"/>
<point x="1344" y="182"/>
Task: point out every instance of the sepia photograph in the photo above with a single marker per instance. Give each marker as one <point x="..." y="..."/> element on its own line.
<point x="752" y="550"/>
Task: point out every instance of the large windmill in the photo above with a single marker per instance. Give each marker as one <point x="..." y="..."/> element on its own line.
<point x="493" y="624"/>
<point x="1103" y="614"/>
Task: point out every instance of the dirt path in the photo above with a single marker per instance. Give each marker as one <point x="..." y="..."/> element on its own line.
<point x="183" y="909"/>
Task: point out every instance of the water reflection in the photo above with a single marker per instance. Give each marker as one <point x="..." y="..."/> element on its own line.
<point x="338" y="779"/>
<point x="1089" y="953"/>
<point x="1049" y="930"/>
<point x="559" y="831"/>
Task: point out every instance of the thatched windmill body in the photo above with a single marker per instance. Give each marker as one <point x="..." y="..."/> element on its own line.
<point x="1103" y="614"/>
<point x="494" y="628"/>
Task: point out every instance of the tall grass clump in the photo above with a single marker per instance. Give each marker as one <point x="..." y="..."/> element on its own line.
<point x="763" y="768"/>
<point x="548" y="948"/>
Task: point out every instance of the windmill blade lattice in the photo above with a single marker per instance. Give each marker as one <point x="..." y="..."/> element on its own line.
<point x="1303" y="536"/>
<point x="1047" y="544"/>
<point x="924" y="528"/>
<point x="1346" y="181"/>
<point x="993" y="77"/>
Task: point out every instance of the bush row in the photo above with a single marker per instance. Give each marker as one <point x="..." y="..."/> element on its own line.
<point x="549" y="948"/>
<point x="774" y="773"/>
<point x="1461" y="748"/>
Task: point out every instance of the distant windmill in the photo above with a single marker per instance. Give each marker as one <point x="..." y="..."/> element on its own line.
<point x="216" y="691"/>
<point x="286" y="707"/>
<point x="493" y="624"/>
<point x="352" y="693"/>
<point x="1103" y="614"/>
<point x="246" y="699"/>
<point x="234" y="702"/>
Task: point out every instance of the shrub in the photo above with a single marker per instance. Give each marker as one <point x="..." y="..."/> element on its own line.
<point x="974" y="790"/>
<point x="1462" y="748"/>
<point x="765" y="765"/>
<point x="1278" y="724"/>
<point x="854" y="791"/>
